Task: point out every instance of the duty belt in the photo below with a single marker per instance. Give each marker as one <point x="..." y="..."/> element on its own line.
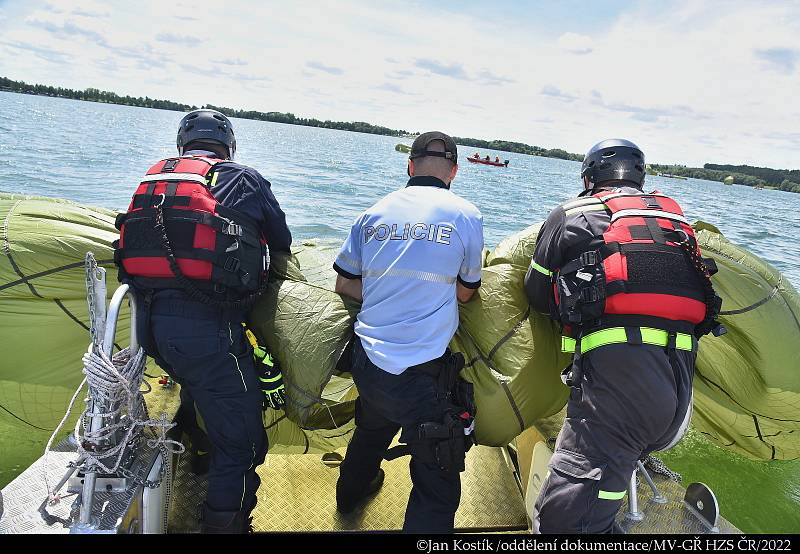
<point x="629" y="335"/>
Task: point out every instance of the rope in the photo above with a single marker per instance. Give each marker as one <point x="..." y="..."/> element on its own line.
<point x="758" y="304"/>
<point x="114" y="386"/>
<point x="115" y="392"/>
<point x="655" y="465"/>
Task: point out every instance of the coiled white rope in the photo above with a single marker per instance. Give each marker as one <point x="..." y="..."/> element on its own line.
<point x="115" y="392"/>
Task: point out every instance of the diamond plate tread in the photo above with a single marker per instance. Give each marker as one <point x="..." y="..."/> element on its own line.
<point x="23" y="497"/>
<point x="297" y="493"/>
<point x="672" y="517"/>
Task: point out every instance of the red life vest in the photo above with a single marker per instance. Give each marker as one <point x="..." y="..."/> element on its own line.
<point x="216" y="248"/>
<point x="649" y="265"/>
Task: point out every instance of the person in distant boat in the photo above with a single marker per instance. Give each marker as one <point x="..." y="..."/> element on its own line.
<point x="192" y="315"/>
<point x="621" y="271"/>
<point x="487" y="158"/>
<point x="497" y="159"/>
<point x="411" y="258"/>
<point x="476" y="155"/>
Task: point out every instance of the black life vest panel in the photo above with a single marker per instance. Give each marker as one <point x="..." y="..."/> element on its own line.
<point x="217" y="248"/>
<point x="649" y="265"/>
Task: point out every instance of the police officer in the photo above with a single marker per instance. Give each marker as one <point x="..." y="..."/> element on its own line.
<point x="203" y="347"/>
<point x="411" y="256"/>
<point x="621" y="271"/>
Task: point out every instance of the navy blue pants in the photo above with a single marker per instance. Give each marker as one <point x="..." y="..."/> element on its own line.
<point x="386" y="404"/>
<point x="632" y="401"/>
<point x="204" y="349"/>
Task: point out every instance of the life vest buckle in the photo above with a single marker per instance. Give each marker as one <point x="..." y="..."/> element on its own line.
<point x="233" y="229"/>
<point x="589" y="258"/>
<point x="232" y="265"/>
<point x="590" y="294"/>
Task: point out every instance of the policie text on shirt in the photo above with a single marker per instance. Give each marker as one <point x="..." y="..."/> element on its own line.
<point x="417" y="231"/>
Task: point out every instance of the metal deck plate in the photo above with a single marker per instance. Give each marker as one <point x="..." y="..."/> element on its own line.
<point x="23" y="496"/>
<point x="672" y="517"/>
<point x="297" y="493"/>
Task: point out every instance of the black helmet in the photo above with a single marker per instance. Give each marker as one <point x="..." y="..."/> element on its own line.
<point x="206" y="126"/>
<point x="614" y="160"/>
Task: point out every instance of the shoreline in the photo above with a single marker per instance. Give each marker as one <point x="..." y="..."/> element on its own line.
<point x="785" y="180"/>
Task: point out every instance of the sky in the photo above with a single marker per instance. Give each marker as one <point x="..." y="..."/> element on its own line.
<point x="689" y="81"/>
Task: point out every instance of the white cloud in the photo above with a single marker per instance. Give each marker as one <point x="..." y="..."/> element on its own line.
<point x="695" y="76"/>
<point x="575" y="43"/>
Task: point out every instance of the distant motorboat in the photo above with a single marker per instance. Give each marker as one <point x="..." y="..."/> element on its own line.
<point x="488" y="162"/>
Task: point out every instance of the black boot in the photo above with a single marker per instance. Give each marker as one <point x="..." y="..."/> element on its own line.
<point x="230" y="523"/>
<point x="347" y="501"/>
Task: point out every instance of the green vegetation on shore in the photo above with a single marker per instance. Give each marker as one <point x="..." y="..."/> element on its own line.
<point x="759" y="177"/>
<point x="96" y="95"/>
<point x="519" y="148"/>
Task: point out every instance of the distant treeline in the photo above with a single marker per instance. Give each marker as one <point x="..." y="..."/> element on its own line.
<point x="788" y="180"/>
<point x="782" y="179"/>
<point x="519" y="148"/>
<point x="96" y="95"/>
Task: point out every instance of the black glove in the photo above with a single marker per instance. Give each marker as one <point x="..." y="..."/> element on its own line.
<point x="269" y="374"/>
<point x="271" y="379"/>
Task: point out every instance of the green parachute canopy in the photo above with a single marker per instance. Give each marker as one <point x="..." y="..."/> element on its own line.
<point x="747" y="388"/>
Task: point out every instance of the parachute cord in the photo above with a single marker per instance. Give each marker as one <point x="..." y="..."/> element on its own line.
<point x="51" y="495"/>
<point x="758" y="304"/>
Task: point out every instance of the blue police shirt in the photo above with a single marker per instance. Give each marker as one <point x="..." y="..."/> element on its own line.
<point x="409" y="250"/>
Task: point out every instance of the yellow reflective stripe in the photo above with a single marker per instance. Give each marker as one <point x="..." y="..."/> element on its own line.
<point x="618" y="335"/>
<point x="213" y="179"/>
<point x="270" y="379"/>
<point x="610" y="495"/>
<point x="615" y="335"/>
<point x="588" y="208"/>
<point x="684" y="342"/>
<point x="541" y="269"/>
<point x="657" y="337"/>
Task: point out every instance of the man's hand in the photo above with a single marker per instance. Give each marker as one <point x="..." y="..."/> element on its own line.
<point x="463" y="293"/>
<point x="349" y="287"/>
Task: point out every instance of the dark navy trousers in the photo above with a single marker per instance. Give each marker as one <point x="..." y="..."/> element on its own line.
<point x="632" y="401"/>
<point x="386" y="404"/>
<point x="204" y="349"/>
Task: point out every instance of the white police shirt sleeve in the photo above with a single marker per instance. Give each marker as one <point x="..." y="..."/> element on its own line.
<point x="348" y="262"/>
<point x="470" y="273"/>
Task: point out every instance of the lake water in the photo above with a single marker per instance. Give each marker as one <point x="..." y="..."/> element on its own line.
<point x="96" y="153"/>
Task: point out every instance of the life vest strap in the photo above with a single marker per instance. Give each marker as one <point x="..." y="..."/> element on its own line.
<point x="628" y="335"/>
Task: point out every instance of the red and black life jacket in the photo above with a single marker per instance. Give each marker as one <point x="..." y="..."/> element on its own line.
<point x="212" y="247"/>
<point x="648" y="265"/>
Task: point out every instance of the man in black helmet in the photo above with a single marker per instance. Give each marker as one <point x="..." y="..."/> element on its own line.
<point x="203" y="346"/>
<point x="620" y="270"/>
